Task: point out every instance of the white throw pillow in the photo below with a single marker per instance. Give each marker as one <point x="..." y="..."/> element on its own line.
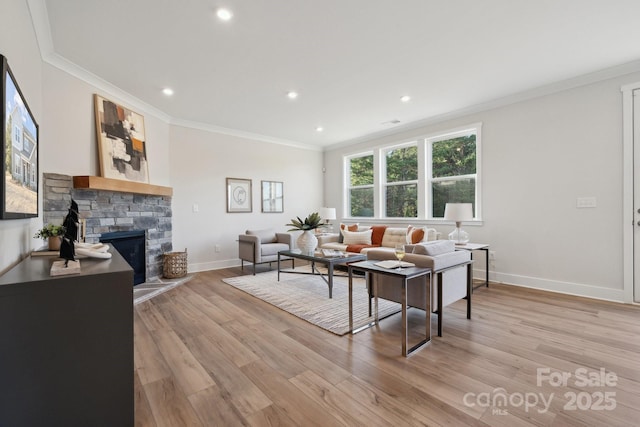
<point x="357" y="237"/>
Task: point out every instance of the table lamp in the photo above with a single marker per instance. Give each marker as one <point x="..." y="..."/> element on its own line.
<point x="458" y="212"/>
<point x="327" y="214"/>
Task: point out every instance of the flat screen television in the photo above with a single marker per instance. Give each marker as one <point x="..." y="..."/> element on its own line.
<point x="20" y="175"/>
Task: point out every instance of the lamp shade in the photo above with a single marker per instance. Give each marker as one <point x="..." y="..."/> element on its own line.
<point x="458" y="212"/>
<point x="327" y="213"/>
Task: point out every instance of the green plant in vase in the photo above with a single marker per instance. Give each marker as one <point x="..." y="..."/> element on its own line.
<point x="52" y="233"/>
<point x="307" y="241"/>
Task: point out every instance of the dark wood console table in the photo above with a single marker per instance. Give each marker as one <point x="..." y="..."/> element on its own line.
<point x="66" y="352"/>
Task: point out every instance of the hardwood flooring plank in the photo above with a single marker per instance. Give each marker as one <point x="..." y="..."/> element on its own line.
<point x="271" y="416"/>
<point x="148" y="361"/>
<point x="301" y="409"/>
<point x="143" y="413"/>
<point x="206" y="353"/>
<point x="239" y="391"/>
<point x="213" y="408"/>
<point x="187" y="371"/>
<point x="169" y="405"/>
<point x="268" y="351"/>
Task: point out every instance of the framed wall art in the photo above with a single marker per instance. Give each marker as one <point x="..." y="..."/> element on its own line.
<point x="122" y="149"/>
<point x="272" y="196"/>
<point x="19" y="136"/>
<point x="238" y="195"/>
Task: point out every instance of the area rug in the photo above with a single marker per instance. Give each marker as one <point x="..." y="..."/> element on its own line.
<point x="307" y="297"/>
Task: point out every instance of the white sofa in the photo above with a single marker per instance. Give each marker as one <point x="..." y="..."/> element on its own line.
<point x="450" y="267"/>
<point x="375" y="237"/>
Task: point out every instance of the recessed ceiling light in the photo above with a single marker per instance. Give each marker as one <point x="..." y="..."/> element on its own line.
<point x="405" y="98"/>
<point x="319" y="129"/>
<point x="292" y="94"/>
<point x="167" y="91"/>
<point x="224" y="14"/>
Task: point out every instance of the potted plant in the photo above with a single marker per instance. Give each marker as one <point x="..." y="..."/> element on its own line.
<point x="52" y="233"/>
<point x="307" y="241"/>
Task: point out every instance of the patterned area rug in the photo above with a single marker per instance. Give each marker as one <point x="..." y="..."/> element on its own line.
<point x="307" y="297"/>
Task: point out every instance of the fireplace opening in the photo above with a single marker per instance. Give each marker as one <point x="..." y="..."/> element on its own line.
<point x="131" y="245"/>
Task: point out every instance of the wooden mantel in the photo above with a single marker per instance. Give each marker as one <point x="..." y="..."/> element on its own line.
<point x="108" y="184"/>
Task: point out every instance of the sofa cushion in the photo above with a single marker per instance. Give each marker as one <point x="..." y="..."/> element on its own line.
<point x="265" y="236"/>
<point x="357" y="237"/>
<point x="273" y="249"/>
<point x="377" y="233"/>
<point x="394" y="236"/>
<point x="435" y="248"/>
<point x="358" y="248"/>
<point x="348" y="227"/>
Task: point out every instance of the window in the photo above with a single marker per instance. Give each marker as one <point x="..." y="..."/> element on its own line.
<point x="416" y="179"/>
<point x="453" y="171"/>
<point x="401" y="184"/>
<point x="361" y="175"/>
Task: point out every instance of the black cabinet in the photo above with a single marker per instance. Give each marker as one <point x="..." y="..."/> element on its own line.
<point x="66" y="344"/>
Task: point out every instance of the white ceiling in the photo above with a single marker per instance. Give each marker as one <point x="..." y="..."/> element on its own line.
<point x="350" y="60"/>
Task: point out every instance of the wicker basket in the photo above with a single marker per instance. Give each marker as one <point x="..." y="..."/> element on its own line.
<point x="174" y="264"/>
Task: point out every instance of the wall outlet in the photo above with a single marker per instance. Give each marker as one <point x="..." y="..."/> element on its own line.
<point x="217" y="247"/>
<point x="196" y="208"/>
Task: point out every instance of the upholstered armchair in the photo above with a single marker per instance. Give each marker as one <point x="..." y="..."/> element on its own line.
<point x="449" y="268"/>
<point x="262" y="246"/>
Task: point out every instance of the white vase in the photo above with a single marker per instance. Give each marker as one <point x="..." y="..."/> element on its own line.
<point x="307" y="242"/>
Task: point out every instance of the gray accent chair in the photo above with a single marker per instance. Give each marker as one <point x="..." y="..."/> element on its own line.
<point x="262" y="246"/>
<point x="449" y="267"/>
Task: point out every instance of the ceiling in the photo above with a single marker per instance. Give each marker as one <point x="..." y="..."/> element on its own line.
<point x="350" y="61"/>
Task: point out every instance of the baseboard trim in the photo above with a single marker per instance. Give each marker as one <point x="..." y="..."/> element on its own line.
<point x="213" y="265"/>
<point x="569" y="288"/>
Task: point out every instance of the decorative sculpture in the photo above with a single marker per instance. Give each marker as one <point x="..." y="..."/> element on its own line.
<point x="67" y="249"/>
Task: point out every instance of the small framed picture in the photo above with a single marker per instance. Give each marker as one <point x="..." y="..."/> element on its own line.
<point x="272" y="197"/>
<point x="238" y="195"/>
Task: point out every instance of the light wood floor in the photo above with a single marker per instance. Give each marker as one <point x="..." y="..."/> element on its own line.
<point x="208" y="354"/>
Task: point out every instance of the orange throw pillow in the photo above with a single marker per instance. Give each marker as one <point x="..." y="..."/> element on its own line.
<point x="377" y="234"/>
<point x="417" y="235"/>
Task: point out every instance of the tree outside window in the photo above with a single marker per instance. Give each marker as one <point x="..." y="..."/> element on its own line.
<point x="402" y="182"/>
<point x="361" y="186"/>
<point x="416" y="178"/>
<point x="453" y="171"/>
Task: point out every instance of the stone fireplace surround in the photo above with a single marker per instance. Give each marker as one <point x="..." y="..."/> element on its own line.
<point x="111" y="211"/>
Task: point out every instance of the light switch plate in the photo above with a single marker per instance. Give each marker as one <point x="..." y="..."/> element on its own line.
<point x="586" y="202"/>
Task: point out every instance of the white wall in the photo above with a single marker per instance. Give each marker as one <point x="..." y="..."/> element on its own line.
<point x="200" y="163"/>
<point x="71" y="147"/>
<point x="538" y="156"/>
<point x="18" y="45"/>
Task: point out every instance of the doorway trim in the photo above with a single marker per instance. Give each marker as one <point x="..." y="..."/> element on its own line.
<point x="627" y="190"/>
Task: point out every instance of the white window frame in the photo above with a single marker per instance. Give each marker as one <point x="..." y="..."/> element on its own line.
<point x="425" y="176"/>
<point x="348" y="187"/>
<point x="455" y="133"/>
<point x="383" y="178"/>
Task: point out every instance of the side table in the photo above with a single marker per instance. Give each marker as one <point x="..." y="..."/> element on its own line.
<point x="406" y="273"/>
<point x="478" y="247"/>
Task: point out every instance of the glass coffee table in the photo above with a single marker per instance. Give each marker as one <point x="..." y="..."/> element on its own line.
<point x="318" y="258"/>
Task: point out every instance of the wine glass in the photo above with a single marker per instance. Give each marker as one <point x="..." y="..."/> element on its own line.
<point x="400" y="254"/>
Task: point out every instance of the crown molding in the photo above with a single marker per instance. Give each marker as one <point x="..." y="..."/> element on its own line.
<point x="242" y="134"/>
<point x="40" y="20"/>
<point x="560" y="86"/>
